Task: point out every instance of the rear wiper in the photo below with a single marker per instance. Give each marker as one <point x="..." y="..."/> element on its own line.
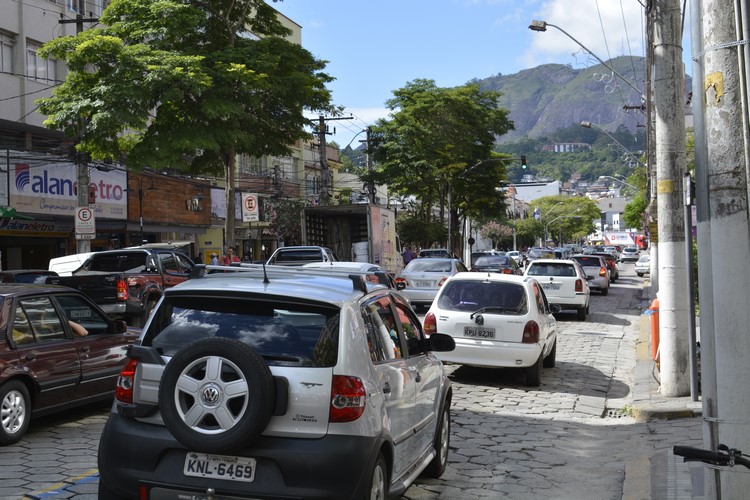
<point x="490" y="308"/>
<point x="280" y="357"/>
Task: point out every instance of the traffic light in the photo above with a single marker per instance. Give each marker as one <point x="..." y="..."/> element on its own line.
<point x="523" y="162"/>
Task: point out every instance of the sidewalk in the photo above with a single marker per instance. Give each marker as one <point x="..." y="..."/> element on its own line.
<point x="662" y="475"/>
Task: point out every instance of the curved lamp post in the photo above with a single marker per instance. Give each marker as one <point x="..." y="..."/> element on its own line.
<point x="542" y="26"/>
<point x="546" y="226"/>
<point x="586" y="124"/>
<point x="618" y="180"/>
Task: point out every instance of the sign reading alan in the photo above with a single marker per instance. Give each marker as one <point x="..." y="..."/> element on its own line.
<point x="85" y="223"/>
<point x="250" y="212"/>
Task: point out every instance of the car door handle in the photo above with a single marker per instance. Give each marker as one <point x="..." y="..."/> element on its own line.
<point x="386" y="388"/>
<point x="85" y="348"/>
<point x="30" y="357"/>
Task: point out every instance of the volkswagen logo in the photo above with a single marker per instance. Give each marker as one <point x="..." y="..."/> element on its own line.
<point x="479" y="319"/>
<point x="210" y="395"/>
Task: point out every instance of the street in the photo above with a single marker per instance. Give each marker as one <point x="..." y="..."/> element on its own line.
<point x="572" y="437"/>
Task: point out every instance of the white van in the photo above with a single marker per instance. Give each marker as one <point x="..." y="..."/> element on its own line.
<point x="64" y="266"/>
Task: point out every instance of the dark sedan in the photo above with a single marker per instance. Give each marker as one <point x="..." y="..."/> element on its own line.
<point x="58" y="350"/>
<point x="497" y="264"/>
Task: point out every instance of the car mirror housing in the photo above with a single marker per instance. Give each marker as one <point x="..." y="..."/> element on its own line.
<point x="440" y="342"/>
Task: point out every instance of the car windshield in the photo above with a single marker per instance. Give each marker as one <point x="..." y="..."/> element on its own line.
<point x="284" y="334"/>
<point x="497" y="297"/>
<point x="428" y="266"/>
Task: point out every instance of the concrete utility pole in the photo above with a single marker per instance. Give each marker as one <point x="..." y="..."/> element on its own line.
<point x="669" y="106"/>
<point x="82" y="167"/>
<point x="652" y="209"/>
<point x="370" y="167"/>
<point x="326" y="179"/>
<point x="722" y="95"/>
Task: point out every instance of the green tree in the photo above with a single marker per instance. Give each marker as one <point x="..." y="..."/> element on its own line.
<point x="498" y="233"/>
<point x="164" y="79"/>
<point x="286" y="222"/>
<point x="436" y="145"/>
<point x="565" y="218"/>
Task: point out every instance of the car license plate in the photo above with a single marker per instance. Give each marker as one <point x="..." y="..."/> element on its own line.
<point x="422" y="284"/>
<point x="219" y="467"/>
<point x="487" y="333"/>
<point x="551" y="286"/>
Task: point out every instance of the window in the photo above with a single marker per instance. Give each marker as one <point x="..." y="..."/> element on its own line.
<point x="38" y="68"/>
<point x="411" y="326"/>
<point x="382" y="334"/>
<point x="43" y="318"/>
<point x="6" y="52"/>
<point x="78" y="310"/>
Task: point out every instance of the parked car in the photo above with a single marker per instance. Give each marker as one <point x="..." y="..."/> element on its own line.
<point x="497" y="264"/>
<point x="564" y="282"/>
<point x="614" y="250"/>
<point x="278" y="382"/>
<point x="630" y="254"/>
<point x="58" y="350"/>
<point x="372" y="272"/>
<point x="643" y="265"/>
<point x="422" y="278"/>
<point x="300" y="255"/>
<point x="497" y="320"/>
<point x="595" y="268"/>
<point x="611" y="260"/>
<point x="434" y="253"/>
<point x="38" y="276"/>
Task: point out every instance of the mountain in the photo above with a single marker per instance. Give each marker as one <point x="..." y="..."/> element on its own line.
<point x="546" y="98"/>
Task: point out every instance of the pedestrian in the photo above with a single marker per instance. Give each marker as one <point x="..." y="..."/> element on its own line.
<point x="214" y="259"/>
<point x="408" y="255"/>
<point x="230" y="257"/>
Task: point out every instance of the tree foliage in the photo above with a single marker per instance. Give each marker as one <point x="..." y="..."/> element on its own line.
<point x="162" y="79"/>
<point x="286" y="221"/>
<point x="439" y="139"/>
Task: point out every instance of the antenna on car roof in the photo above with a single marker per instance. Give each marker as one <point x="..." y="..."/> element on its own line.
<point x="265" y="275"/>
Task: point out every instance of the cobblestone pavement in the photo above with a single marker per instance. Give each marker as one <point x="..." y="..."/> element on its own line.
<point x="572" y="437"/>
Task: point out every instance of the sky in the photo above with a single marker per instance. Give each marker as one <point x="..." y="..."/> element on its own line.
<point x="376" y="47"/>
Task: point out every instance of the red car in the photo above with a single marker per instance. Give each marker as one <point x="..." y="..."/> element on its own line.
<point x="58" y="350"/>
<point x="614" y="271"/>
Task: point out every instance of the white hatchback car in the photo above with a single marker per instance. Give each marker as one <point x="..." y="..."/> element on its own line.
<point x="281" y="382"/>
<point x="497" y="320"/>
<point x="564" y="282"/>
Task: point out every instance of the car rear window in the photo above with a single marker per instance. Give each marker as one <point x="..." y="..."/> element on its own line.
<point x="505" y="298"/>
<point x="119" y="262"/>
<point x="428" y="266"/>
<point x="299" y="256"/>
<point x="589" y="261"/>
<point x="551" y="270"/>
<point x="284" y="334"/>
<point x="494" y="260"/>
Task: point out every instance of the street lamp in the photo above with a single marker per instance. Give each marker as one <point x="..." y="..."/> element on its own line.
<point x="618" y="180"/>
<point x="542" y="26"/>
<point x="140" y="201"/>
<point x="586" y="124"/>
<point x="546" y="233"/>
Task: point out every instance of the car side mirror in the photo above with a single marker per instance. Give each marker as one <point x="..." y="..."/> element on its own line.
<point x="119" y="326"/>
<point x="555" y="308"/>
<point x="439" y="342"/>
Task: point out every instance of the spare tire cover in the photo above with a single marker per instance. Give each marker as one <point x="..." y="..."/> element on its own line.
<point x="216" y="395"/>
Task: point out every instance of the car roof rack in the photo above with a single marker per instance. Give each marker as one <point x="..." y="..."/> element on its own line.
<point x="262" y="270"/>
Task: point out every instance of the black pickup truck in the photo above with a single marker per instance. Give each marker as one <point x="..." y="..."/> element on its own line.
<point x="128" y="283"/>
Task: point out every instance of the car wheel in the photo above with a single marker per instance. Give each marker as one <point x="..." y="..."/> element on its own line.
<point x="551" y="359"/>
<point x="582" y="313"/>
<point x="15" y="412"/>
<point x="437" y="466"/>
<point x="605" y="291"/>
<point x="534" y="372"/>
<point x="378" y="489"/>
<point x="216" y="395"/>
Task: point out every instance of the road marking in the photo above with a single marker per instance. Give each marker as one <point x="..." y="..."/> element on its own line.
<point x="61" y="488"/>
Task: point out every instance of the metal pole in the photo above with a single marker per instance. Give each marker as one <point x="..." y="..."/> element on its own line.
<point x="514" y="217"/>
<point x="687" y="189"/>
<point x="140" y="207"/>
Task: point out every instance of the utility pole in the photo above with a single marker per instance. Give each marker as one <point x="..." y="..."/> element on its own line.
<point x="82" y="167"/>
<point x="651" y="209"/>
<point x="370" y="167"/>
<point x="722" y="94"/>
<point x="669" y="106"/>
<point x="326" y="184"/>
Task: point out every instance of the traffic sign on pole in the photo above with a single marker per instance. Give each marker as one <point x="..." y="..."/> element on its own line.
<point x="85" y="223"/>
<point x="250" y="208"/>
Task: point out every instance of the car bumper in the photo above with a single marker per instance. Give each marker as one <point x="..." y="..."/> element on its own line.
<point x="491" y="353"/>
<point x="134" y="455"/>
<point x="419" y="296"/>
<point x="580" y="300"/>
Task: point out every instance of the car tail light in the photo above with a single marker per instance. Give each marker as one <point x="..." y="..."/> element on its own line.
<point x="430" y="324"/>
<point x="531" y="333"/>
<point x="442" y="281"/>
<point x="122" y="290"/>
<point x="602" y="271"/>
<point x="579" y="286"/>
<point x="507" y="271"/>
<point x="347" y="399"/>
<point x="125" y="382"/>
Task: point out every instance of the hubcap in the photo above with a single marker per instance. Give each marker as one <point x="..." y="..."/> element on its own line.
<point x="13" y="412"/>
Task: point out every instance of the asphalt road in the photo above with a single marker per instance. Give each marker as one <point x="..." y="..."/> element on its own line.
<point x="572" y="437"/>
